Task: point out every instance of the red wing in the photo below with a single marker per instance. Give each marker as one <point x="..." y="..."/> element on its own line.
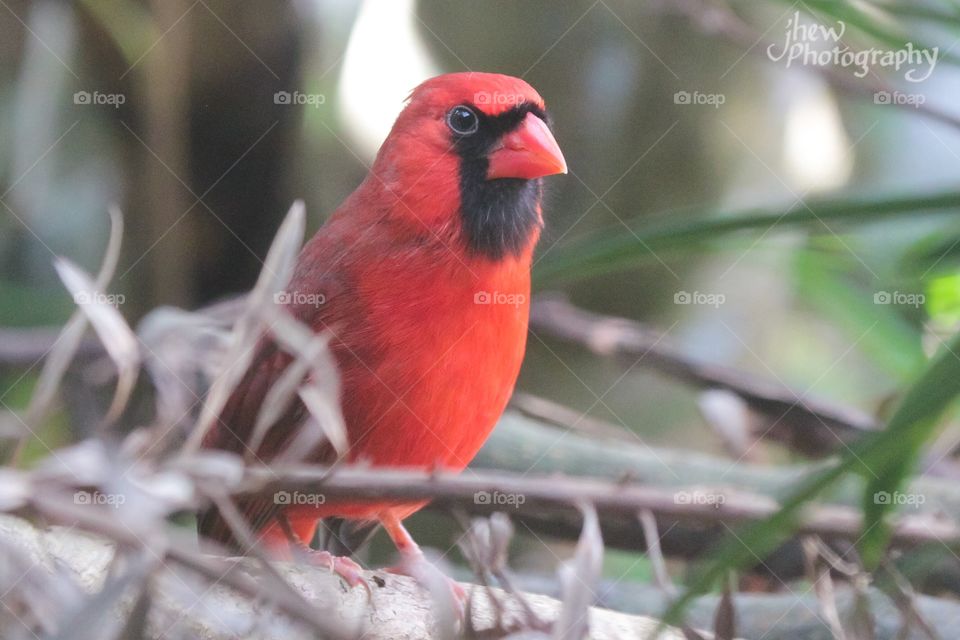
<point x="234" y="430"/>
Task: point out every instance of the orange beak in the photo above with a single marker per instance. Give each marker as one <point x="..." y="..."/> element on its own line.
<point x="530" y="151"/>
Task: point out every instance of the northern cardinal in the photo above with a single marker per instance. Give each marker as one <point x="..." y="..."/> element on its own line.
<point x="425" y="275"/>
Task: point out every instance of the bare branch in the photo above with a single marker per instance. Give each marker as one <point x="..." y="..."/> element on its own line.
<point x="811" y="426"/>
<point x="623" y="499"/>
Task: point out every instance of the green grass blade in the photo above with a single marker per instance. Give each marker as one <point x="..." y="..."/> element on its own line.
<point x="884" y="458"/>
<point x="617" y="249"/>
<point x="889" y="339"/>
<point x="910" y="428"/>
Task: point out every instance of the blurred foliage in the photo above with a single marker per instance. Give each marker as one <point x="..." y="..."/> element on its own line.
<point x="662" y="197"/>
<point x="884" y="460"/>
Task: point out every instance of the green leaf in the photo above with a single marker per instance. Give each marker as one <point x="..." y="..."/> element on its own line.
<point x="943" y="300"/>
<point x="910" y="428"/>
<point x="886" y="336"/>
<point x="618" y="249"/>
<point x="919" y="12"/>
<point x="884" y="458"/>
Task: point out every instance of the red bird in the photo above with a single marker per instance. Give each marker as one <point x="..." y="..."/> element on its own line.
<point x="425" y="273"/>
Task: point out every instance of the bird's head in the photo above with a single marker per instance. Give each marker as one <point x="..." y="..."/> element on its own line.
<point x="465" y="158"/>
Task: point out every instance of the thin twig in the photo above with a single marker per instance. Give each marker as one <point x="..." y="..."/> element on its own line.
<point x="715" y="18"/>
<point x="553" y="493"/>
<point x="649" y="523"/>
<point x="811" y="426"/>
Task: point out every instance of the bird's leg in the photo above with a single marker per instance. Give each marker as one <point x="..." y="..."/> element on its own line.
<point x="414" y="564"/>
<point x="401" y="538"/>
<point x="350" y="571"/>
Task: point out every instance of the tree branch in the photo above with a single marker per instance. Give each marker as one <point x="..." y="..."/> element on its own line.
<point x="808" y="425"/>
<point x="488" y="492"/>
<point x="398" y="608"/>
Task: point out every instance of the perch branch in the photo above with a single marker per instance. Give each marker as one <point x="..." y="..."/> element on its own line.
<point x="527" y="446"/>
<point x="397" y="609"/>
<point x="489" y="492"/>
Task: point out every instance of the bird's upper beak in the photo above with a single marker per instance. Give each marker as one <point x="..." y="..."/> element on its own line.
<point x="529" y="151"/>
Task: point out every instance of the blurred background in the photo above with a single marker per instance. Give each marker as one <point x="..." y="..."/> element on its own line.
<point x="205" y="119"/>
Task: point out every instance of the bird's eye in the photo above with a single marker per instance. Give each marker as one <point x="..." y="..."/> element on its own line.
<point x="462" y="120"/>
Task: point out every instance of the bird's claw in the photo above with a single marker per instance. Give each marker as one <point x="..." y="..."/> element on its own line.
<point x="346" y="568"/>
<point x="426" y="574"/>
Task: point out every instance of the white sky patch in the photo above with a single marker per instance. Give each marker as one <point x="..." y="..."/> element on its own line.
<point x="386" y="58"/>
<point x="816" y="148"/>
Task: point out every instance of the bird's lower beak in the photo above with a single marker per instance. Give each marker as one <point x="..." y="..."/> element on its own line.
<point x="529" y="151"/>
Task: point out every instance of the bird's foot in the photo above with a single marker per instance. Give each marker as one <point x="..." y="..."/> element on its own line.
<point x="447" y="593"/>
<point x="346" y="568"/>
<point x="441" y="586"/>
<point x="350" y="571"/>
